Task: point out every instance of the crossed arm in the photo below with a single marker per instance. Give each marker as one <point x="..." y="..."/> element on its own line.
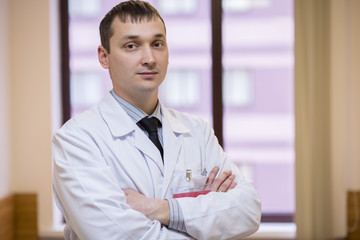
<point x="158" y="209"/>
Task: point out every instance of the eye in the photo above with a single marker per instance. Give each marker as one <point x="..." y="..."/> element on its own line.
<point x="131" y="46"/>
<point x="159" y="44"/>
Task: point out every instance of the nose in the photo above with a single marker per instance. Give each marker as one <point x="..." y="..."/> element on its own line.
<point x="147" y="56"/>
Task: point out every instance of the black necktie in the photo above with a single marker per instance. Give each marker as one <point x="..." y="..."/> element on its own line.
<point x="151" y="126"/>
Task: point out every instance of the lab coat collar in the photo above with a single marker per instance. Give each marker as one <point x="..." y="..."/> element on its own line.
<point x="175" y="125"/>
<point x="112" y="111"/>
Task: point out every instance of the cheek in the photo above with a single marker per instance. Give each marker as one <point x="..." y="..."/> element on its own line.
<point x="162" y="58"/>
<point x="165" y="61"/>
<point x="120" y="65"/>
<point x="122" y="58"/>
<point x="118" y="61"/>
<point x="167" y="58"/>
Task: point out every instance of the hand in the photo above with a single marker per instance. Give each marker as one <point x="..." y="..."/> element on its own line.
<point x="154" y="209"/>
<point x="223" y="183"/>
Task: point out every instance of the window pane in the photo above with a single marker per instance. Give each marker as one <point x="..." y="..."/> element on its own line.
<point x="238" y="88"/>
<point x="84" y="8"/>
<point x="173" y="7"/>
<point x="187" y="86"/>
<point x="181" y="89"/>
<point x="258" y="97"/>
<point x="84" y="89"/>
<point x="89" y="82"/>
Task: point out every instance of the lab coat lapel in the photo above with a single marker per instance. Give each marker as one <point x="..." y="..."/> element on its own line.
<point x="144" y="144"/>
<point x="173" y="131"/>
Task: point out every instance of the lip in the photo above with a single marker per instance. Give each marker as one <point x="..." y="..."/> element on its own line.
<point x="147" y="74"/>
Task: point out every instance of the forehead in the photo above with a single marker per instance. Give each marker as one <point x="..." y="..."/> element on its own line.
<point x="141" y="28"/>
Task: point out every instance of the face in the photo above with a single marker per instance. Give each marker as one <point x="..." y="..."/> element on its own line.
<point x="138" y="58"/>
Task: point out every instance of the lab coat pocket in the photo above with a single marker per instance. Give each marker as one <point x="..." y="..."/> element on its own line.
<point x="194" y="186"/>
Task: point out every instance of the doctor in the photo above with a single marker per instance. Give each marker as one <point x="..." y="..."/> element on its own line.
<point x="115" y="177"/>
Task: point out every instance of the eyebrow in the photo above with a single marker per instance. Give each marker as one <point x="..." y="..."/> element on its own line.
<point x="131" y="37"/>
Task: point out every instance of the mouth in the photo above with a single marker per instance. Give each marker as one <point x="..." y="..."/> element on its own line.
<point x="148" y="74"/>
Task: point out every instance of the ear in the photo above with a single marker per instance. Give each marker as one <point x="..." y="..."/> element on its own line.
<point x="103" y="57"/>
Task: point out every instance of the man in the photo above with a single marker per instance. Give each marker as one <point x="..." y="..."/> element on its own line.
<point x="116" y="178"/>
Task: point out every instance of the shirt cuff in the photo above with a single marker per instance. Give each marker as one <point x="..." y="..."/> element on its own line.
<point x="176" y="216"/>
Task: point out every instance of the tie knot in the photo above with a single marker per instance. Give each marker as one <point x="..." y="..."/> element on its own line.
<point x="150" y="124"/>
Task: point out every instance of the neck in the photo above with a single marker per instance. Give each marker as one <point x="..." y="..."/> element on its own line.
<point x="147" y="106"/>
<point x="145" y="102"/>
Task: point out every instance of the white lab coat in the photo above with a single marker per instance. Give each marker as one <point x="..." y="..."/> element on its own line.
<point x="102" y="151"/>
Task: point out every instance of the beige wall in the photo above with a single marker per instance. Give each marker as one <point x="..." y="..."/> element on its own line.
<point x="345" y="111"/>
<point x="327" y="86"/>
<point x="345" y="88"/>
<point x="338" y="116"/>
<point x="31" y="102"/>
<point x="345" y="98"/>
<point x="5" y="163"/>
<point x="352" y="82"/>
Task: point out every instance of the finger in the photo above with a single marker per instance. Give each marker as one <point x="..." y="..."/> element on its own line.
<point x="220" y="179"/>
<point x="128" y="191"/>
<point x="233" y="185"/>
<point x="212" y="175"/>
<point x="128" y="196"/>
<point x="225" y="186"/>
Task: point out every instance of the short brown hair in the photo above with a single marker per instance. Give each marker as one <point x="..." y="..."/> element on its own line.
<point x="134" y="10"/>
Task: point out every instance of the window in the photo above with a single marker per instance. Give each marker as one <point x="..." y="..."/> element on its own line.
<point x="82" y="8"/>
<point x="238" y="6"/>
<point x="84" y="90"/>
<point x="176" y="7"/>
<point x="258" y="114"/>
<point x="238" y="88"/>
<point x="257" y="82"/>
<point x="181" y="89"/>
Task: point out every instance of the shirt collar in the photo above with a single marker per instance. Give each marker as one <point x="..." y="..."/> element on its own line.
<point x="135" y="113"/>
